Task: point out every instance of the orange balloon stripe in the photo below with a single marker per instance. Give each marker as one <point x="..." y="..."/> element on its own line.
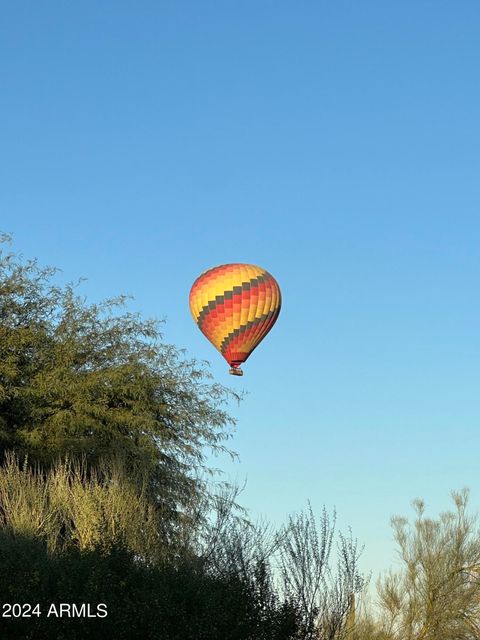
<point x="255" y="330"/>
<point x="269" y="301"/>
<point x="248" y="338"/>
<point x="219" y="321"/>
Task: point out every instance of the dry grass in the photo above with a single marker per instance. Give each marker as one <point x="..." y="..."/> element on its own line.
<point x="72" y="506"/>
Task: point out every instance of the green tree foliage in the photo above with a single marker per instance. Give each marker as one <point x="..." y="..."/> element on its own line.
<point x="95" y="382"/>
<point x="73" y="507"/>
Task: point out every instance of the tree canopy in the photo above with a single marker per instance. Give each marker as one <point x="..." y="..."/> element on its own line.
<point x="97" y="381"/>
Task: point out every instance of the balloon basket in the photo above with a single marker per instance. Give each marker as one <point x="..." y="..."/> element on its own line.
<point x="236" y="371"/>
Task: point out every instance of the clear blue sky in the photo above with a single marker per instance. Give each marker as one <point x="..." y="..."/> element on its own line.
<point x="337" y="144"/>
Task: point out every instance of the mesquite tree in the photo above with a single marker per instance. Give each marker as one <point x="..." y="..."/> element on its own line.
<point x="95" y="382"/>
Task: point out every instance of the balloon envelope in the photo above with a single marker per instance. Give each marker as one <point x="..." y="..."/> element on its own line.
<point x="235" y="306"/>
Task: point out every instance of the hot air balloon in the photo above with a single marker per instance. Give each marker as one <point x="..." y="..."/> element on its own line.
<point x="235" y="306"/>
